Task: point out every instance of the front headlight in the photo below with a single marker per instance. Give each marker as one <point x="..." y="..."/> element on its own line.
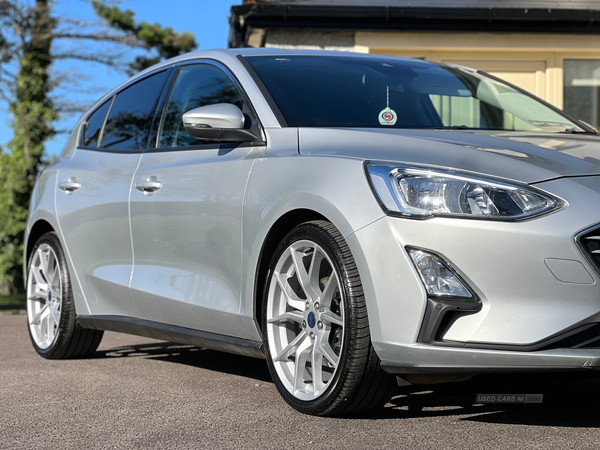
<point x="420" y="192"/>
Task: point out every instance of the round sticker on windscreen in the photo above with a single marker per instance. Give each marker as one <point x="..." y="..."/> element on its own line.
<point x="387" y="116"/>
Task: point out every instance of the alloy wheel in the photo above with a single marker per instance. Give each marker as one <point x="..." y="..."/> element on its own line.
<point x="44" y="296"/>
<point x="305" y="320"/>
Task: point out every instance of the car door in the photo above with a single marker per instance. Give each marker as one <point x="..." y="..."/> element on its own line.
<point x="93" y="193"/>
<point x="186" y="211"/>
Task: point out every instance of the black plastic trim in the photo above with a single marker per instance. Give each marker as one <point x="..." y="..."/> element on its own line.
<point x="572" y="338"/>
<point x="439" y="307"/>
<point x="173" y="333"/>
<point x="158" y="115"/>
<point x="584" y="250"/>
<point x="211" y="146"/>
<point x="264" y="91"/>
<point x="405" y="369"/>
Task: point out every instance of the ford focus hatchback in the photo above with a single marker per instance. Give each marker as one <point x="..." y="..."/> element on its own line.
<point x="349" y="218"/>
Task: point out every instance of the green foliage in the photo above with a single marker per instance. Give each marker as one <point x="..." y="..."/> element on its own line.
<point x="15" y="298"/>
<point x="165" y="41"/>
<point x="26" y="37"/>
<point x="33" y="115"/>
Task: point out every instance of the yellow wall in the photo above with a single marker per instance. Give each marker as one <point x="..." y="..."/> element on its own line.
<point x="531" y="61"/>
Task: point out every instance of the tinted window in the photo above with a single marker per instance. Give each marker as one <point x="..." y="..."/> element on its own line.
<point x="130" y="115"/>
<point x="348" y="91"/>
<point x="93" y="126"/>
<point x="195" y="86"/>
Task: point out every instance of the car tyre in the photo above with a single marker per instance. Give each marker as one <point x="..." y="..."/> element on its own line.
<point x="315" y="316"/>
<point x="51" y="316"/>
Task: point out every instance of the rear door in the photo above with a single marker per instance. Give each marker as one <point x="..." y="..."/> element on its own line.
<point x="93" y="193"/>
<point x="187" y="232"/>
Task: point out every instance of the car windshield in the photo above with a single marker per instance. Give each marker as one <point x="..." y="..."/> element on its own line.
<point x="370" y="92"/>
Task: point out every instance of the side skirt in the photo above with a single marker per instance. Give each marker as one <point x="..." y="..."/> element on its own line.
<point x="174" y="333"/>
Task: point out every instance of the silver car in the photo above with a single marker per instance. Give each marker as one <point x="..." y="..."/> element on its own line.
<point x="349" y="218"/>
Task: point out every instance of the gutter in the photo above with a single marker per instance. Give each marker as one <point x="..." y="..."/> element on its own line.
<point x="397" y="18"/>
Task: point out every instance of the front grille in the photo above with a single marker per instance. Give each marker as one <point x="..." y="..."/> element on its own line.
<point x="589" y="242"/>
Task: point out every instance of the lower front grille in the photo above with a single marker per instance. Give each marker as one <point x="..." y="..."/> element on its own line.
<point x="587" y="336"/>
<point x="589" y="243"/>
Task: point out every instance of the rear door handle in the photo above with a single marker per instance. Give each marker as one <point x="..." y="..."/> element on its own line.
<point x="149" y="186"/>
<point x="69" y="186"/>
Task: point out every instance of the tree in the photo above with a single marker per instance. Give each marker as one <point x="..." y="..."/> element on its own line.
<point x="167" y="42"/>
<point x="28" y="49"/>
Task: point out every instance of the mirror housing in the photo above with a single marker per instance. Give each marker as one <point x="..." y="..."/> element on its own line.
<point x="222" y="122"/>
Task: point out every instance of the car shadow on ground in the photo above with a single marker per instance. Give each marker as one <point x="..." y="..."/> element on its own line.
<point x="570" y="399"/>
<point x="195" y="357"/>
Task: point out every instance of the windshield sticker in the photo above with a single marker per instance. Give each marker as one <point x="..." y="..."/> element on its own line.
<point x="388" y="116"/>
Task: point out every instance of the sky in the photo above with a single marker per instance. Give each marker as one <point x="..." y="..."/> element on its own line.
<point x="207" y="19"/>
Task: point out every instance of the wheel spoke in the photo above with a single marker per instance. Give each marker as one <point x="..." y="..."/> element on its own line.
<point x="293" y="316"/>
<point x="332" y="318"/>
<point x="44" y="328"/>
<point x="44" y="256"/>
<point x="37" y="320"/>
<point x="330" y="287"/>
<point x="301" y="355"/>
<point x="317" y="368"/>
<point x="54" y="311"/>
<point x="329" y="354"/>
<point x="39" y="295"/>
<point x="37" y="274"/>
<point x="284" y="354"/>
<point x="54" y="277"/>
<point x="313" y="272"/>
<point x="291" y="298"/>
<point x="301" y="273"/>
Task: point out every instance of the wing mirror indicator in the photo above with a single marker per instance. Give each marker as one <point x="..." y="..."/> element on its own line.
<point x="222" y="122"/>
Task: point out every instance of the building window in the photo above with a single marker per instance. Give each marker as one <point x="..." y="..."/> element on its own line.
<point x="582" y="93"/>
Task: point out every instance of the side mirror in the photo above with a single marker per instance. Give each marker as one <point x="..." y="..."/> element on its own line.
<point x="222" y="122"/>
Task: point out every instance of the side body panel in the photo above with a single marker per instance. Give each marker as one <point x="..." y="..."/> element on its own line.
<point x="187" y="237"/>
<point x="284" y="181"/>
<point x="94" y="222"/>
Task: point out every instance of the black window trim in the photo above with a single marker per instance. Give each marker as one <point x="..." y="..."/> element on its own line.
<point x="264" y="91"/>
<point x="161" y="69"/>
<point x="209" y="145"/>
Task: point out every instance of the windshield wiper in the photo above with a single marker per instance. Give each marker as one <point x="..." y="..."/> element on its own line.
<point x="574" y="131"/>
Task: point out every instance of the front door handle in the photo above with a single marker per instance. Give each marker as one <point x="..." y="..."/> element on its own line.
<point x="69" y="186"/>
<point x="149" y="186"/>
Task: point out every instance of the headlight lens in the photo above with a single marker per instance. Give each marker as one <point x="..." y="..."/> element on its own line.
<point x="420" y="192"/>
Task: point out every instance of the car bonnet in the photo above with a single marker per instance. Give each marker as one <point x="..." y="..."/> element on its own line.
<point x="520" y="156"/>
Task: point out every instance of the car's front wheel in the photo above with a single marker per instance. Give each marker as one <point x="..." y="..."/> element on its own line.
<point x="316" y="329"/>
<point x="51" y="316"/>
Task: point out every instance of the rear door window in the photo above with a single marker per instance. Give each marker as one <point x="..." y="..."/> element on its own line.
<point x="129" y="118"/>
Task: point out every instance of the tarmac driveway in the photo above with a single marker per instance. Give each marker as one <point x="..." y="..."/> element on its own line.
<point x="142" y="393"/>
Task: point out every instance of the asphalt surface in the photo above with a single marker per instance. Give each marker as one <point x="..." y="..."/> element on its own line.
<point x="142" y="393"/>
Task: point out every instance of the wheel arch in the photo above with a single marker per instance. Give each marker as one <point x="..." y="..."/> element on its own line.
<point x="38" y="229"/>
<point x="277" y="232"/>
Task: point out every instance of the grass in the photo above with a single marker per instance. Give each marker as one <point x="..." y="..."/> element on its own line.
<point x="16" y="298"/>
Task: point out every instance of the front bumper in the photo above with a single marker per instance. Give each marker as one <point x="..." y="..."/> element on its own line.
<point x="535" y="284"/>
